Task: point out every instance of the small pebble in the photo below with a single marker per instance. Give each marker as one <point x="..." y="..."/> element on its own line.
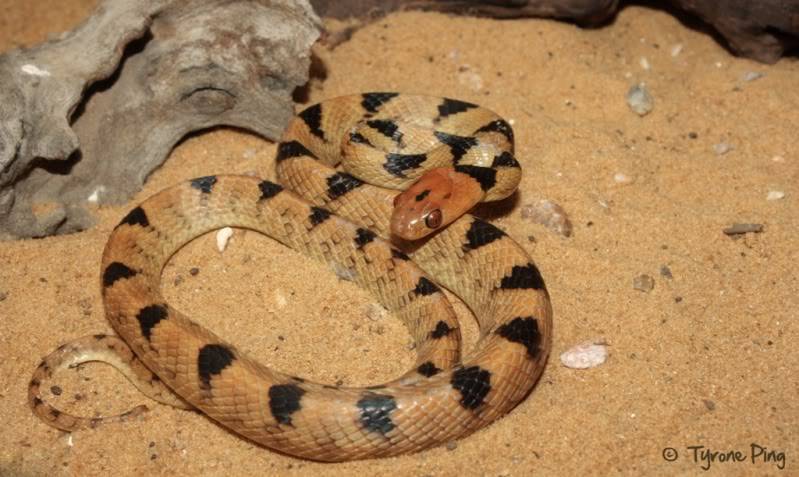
<point x="665" y="272"/>
<point x="692" y="135"/>
<point x="752" y="75"/>
<point x="710" y="405"/>
<point x="193" y="271"/>
<point x="550" y="215"/>
<point x="775" y="195"/>
<point x="3" y="295"/>
<point x="739" y="229"/>
<point x="778" y="159"/>
<point x="376" y="312"/>
<point x="676" y="50"/>
<point x="452" y="445"/>
<point x="222" y="238"/>
<point x="643" y="283"/>
<point x="639" y="100"/>
<point x="622" y="178"/>
<point x="585" y="355"/>
<point x="56" y="390"/>
<point x="645" y="63"/>
<point x="722" y="148"/>
<point x="470" y="79"/>
<point x="280" y="298"/>
<point x="178" y="280"/>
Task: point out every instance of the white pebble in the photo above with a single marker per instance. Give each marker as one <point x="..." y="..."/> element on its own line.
<point x="34" y="70"/>
<point x="376" y="312"/>
<point x="222" y="238"/>
<point x="511" y="121"/>
<point x="775" y="195"/>
<point x="280" y="298"/>
<point x="639" y="99"/>
<point x="622" y="178"/>
<point x="778" y="159"/>
<point x="752" y="75"/>
<point x="722" y="148"/>
<point x="471" y="80"/>
<point x="676" y="50"/>
<point x="645" y="63"/>
<point x="719" y="64"/>
<point x="550" y="215"/>
<point x="584" y="355"/>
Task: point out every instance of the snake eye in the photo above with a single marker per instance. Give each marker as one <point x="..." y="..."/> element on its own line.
<point x="433" y="219"/>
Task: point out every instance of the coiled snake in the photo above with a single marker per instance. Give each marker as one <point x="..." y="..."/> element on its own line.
<point x="448" y="155"/>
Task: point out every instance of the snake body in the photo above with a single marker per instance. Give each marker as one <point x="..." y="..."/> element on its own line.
<point x="344" y="222"/>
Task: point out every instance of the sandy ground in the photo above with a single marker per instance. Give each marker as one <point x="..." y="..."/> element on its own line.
<point x="706" y="358"/>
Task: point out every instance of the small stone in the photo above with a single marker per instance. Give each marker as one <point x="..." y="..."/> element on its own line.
<point x="676" y="50"/>
<point x="645" y="63"/>
<point x="622" y="178"/>
<point x="3" y="295"/>
<point x="710" y="405"/>
<point x="178" y="280"/>
<point x="752" y="75"/>
<point x="722" y="148"/>
<point x="643" y="283"/>
<point x="585" y="355"/>
<point x="639" y="99"/>
<point x="665" y="272"/>
<point x="280" y="298"/>
<point x="740" y="229"/>
<point x="193" y="271"/>
<point x="692" y="135"/>
<point x="376" y="312"/>
<point x="56" y="390"/>
<point x="778" y="159"/>
<point x="470" y="79"/>
<point x="452" y="445"/>
<point x="550" y="215"/>
<point x="222" y="238"/>
<point x="775" y="195"/>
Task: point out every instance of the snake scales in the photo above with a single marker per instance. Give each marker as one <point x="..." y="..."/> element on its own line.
<point x="449" y="155"/>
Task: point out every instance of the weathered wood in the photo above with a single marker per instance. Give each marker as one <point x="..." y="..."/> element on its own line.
<point x="90" y="115"/>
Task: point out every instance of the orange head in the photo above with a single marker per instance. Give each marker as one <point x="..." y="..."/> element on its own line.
<point x="438" y="198"/>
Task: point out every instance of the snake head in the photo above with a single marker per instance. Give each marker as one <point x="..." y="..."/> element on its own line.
<point x="435" y="200"/>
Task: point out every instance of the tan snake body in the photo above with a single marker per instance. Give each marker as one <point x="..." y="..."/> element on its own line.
<point x="441" y="398"/>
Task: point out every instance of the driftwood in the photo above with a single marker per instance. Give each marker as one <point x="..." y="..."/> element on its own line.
<point x="762" y="30"/>
<point x="88" y="116"/>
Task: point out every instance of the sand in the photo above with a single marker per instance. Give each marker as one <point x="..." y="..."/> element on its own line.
<point x="706" y="358"/>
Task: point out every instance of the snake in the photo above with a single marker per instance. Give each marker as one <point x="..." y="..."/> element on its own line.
<point x="378" y="187"/>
